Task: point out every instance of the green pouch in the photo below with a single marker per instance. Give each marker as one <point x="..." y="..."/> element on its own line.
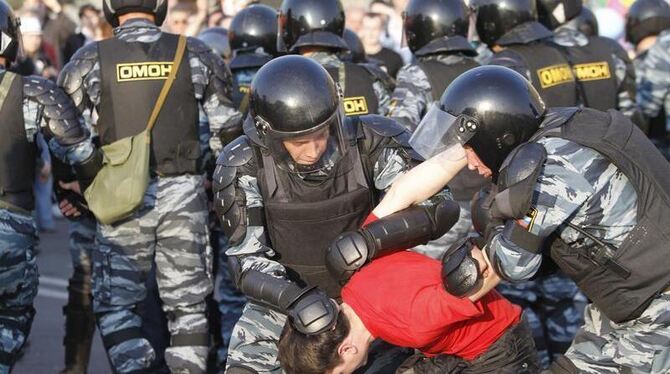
<point x="118" y="188"/>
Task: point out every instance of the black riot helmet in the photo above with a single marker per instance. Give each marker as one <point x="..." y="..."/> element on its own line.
<point x="254" y="28"/>
<point x="553" y="13"/>
<point x="646" y="18"/>
<point x="492" y="109"/>
<point x="115" y="8"/>
<point x="10" y="34"/>
<point x="310" y="23"/>
<point x="495" y="18"/>
<point x="586" y="22"/>
<point x="427" y="20"/>
<point x="356" y="52"/>
<point x="217" y="39"/>
<point x="293" y="98"/>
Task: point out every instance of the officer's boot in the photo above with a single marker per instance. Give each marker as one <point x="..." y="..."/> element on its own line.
<point x="79" y="329"/>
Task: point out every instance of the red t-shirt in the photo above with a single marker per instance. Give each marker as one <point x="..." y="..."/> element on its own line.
<point x="400" y="299"/>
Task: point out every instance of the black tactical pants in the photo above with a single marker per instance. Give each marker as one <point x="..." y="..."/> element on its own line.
<point x="513" y="353"/>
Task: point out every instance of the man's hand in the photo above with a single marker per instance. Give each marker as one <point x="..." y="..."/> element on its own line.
<point x="68" y="208"/>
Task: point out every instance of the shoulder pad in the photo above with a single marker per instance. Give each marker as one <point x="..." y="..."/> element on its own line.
<point x="221" y="74"/>
<point x="379" y="74"/>
<point x="62" y="117"/>
<point x="236" y="153"/>
<point x="87" y="52"/>
<point x="381" y="125"/>
<point x="71" y="78"/>
<point x="196" y="45"/>
<point x="517" y="179"/>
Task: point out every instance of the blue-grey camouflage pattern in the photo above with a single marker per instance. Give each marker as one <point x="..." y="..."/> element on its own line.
<point x="18" y="239"/>
<point x="641" y="345"/>
<point x="18" y="284"/>
<point x="580" y="186"/>
<point x="230" y="299"/>
<point x="624" y="71"/>
<point x="171" y="226"/>
<point x="653" y="80"/>
<point x="86" y="90"/>
<point x="170" y="229"/>
<point x="412" y="96"/>
<point x="653" y="86"/>
<point x="382" y="92"/>
<point x="484" y="54"/>
<point x="254" y="340"/>
<point x="554" y="307"/>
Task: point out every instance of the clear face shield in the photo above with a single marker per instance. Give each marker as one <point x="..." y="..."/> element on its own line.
<point x="317" y="149"/>
<point x="441" y="133"/>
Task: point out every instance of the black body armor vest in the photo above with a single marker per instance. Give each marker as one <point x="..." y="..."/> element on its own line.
<point x="621" y="283"/>
<point x="303" y="218"/>
<point x="467" y="182"/>
<point x="132" y="76"/>
<point x="550" y="72"/>
<point x="17" y="154"/>
<point x="594" y="68"/>
<point x="359" y="95"/>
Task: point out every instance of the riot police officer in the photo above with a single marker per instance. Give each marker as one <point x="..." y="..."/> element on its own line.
<point x="604" y="74"/>
<point x="315" y="28"/>
<point x="586" y="22"/>
<point x="26" y="105"/>
<point x="253" y="39"/>
<point x="217" y="39"/>
<point x="647" y="24"/>
<point x="510" y="27"/>
<point x="512" y="31"/>
<point x="585" y="186"/>
<point x="121" y="78"/>
<point x="302" y="174"/>
<point x="436" y="33"/>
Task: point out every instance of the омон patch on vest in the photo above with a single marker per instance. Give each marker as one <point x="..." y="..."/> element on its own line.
<point x="139" y="71"/>
<point x="555" y="75"/>
<point x="592" y="71"/>
<point x="354" y="106"/>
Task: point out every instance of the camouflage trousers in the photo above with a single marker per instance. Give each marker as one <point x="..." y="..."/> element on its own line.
<point x="554" y="308"/>
<point x="253" y="345"/>
<point x="461" y="229"/>
<point x="638" y="346"/>
<point x="170" y="229"/>
<point x="18" y="284"/>
<point x="229" y="298"/>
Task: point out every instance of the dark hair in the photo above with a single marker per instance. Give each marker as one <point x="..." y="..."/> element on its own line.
<point x="312" y="354"/>
<point x="87" y="7"/>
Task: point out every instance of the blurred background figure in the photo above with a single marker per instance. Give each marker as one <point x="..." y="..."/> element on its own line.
<point x="91" y="28"/>
<point x="354" y="17"/>
<point x="177" y="21"/>
<point x="372" y="28"/>
<point x="39" y="57"/>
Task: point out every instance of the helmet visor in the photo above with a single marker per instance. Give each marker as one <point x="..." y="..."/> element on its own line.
<point x="440" y="131"/>
<point x="314" y="150"/>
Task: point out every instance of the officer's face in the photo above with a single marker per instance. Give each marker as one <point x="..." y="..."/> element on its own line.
<point x="307" y="150"/>
<point x="475" y="163"/>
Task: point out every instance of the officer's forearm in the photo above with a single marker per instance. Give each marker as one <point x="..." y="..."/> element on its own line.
<point x="421" y="182"/>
